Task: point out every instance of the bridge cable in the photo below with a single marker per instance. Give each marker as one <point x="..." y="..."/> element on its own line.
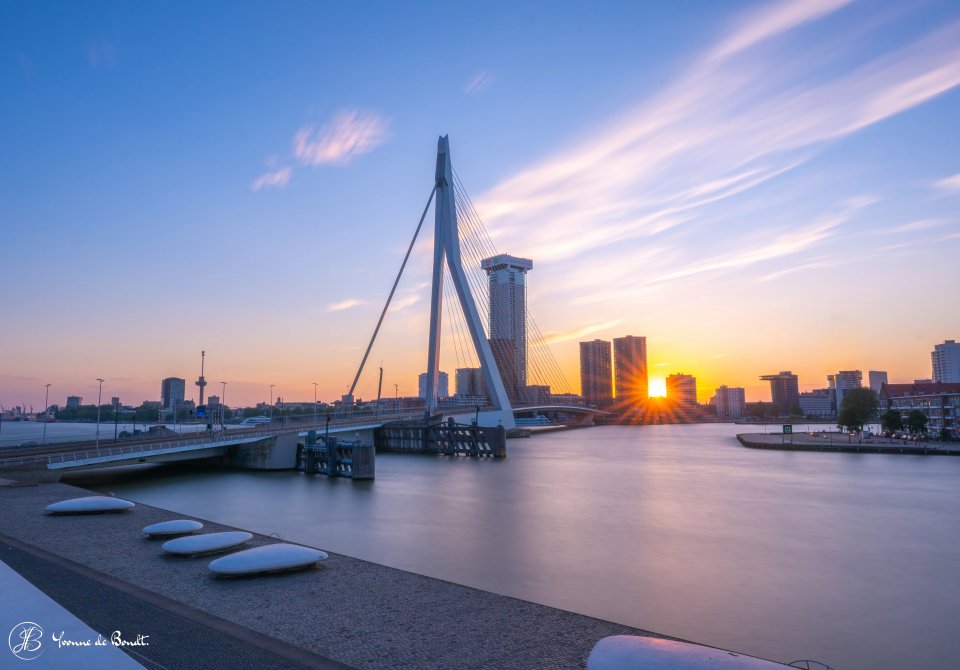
<point x="392" y="291"/>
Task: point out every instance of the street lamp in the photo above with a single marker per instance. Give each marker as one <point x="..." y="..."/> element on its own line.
<point x="223" y="403"/>
<point x="271" y="402"/>
<point x="46" y="417"/>
<point x="99" y="395"/>
<point x="314" y="403"/>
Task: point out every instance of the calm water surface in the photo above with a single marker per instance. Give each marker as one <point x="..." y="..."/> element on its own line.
<point x="849" y="559"/>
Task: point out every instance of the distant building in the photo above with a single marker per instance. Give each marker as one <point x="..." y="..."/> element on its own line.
<point x="115" y="401"/>
<point x="940" y="402"/>
<point x="566" y="399"/>
<point x="507" y="282"/>
<point x="682" y="389"/>
<point x="213" y="401"/>
<point x="470" y="383"/>
<point x="818" y="403"/>
<point x="784" y="389"/>
<point x="443" y="385"/>
<point x="842" y="382"/>
<point x="535" y="394"/>
<point x="172" y="390"/>
<point x="630" y="369"/>
<point x="877" y="379"/>
<point x="946" y="362"/>
<point x="596" y="375"/>
<point x="729" y="402"/>
<point x="74" y="401"/>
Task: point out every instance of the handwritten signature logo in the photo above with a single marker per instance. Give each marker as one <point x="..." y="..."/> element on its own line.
<point x="24" y="640"/>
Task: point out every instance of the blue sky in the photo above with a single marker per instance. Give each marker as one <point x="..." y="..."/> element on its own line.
<point x="753" y="186"/>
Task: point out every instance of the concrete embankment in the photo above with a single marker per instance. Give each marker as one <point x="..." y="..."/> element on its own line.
<point x="843" y="443"/>
<point x="348" y="613"/>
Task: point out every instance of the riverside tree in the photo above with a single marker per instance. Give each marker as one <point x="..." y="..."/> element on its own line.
<point x="917" y="421"/>
<point x="858" y="407"/>
<point x="891" y="421"/>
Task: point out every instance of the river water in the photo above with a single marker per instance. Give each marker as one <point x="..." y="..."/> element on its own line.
<point x="849" y="559"/>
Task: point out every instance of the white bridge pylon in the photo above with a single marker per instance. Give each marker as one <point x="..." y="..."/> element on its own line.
<point x="446" y="247"/>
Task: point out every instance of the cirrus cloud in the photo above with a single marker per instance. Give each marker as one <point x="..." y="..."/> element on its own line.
<point x="274" y="179"/>
<point x="348" y="134"/>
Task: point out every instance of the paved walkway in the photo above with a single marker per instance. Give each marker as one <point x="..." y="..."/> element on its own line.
<point x="38" y="630"/>
<point x="349" y="612"/>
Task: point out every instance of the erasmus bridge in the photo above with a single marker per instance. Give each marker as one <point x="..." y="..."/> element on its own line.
<point x="519" y="373"/>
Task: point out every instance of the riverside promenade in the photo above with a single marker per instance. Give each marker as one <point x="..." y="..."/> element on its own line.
<point x="844" y="443"/>
<point x="348" y="613"/>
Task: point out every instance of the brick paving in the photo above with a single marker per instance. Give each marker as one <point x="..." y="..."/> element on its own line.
<point x="357" y="613"/>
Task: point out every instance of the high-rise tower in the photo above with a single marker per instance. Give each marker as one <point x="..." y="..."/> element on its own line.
<point x="201" y="382"/>
<point x="630" y="369"/>
<point x="508" y="318"/>
<point x="596" y="381"/>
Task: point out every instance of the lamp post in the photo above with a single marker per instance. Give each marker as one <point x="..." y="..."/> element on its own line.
<point x="99" y="395"/>
<point x="314" y="403"/>
<point x="223" y="403"/>
<point x="271" y="402"/>
<point x="46" y="404"/>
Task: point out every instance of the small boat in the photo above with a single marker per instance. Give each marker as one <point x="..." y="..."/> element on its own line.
<point x="90" y="505"/>
<point x="206" y="544"/>
<point x="269" y="558"/>
<point x="175" y="527"/>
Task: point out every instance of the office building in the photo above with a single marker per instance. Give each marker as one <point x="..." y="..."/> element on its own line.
<point x="940" y="402"/>
<point x="728" y="402"/>
<point x="877" y="379"/>
<point x="470" y="383"/>
<point x="74" y="401"/>
<point x="506" y="276"/>
<point x="842" y="382"/>
<point x="682" y="389"/>
<point x="817" y="403"/>
<point x="630" y="369"/>
<point x="172" y="390"/>
<point x="596" y="375"/>
<point x="946" y="362"/>
<point x="443" y="385"/>
<point x="784" y="390"/>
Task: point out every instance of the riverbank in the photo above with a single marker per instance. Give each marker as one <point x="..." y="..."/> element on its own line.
<point x="843" y="443"/>
<point x="348" y="612"/>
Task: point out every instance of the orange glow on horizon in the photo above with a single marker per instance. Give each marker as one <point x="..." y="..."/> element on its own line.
<point x="657" y="387"/>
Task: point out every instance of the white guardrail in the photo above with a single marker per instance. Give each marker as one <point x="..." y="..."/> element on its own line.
<point x="201" y="440"/>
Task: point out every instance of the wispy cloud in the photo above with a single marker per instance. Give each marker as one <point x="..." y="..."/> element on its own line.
<point x="751" y="110"/>
<point x="345" y="304"/>
<point x="274" y="179"/>
<point x="350" y="133"/>
<point x="913" y="226"/>
<point x="949" y="184"/>
<point x="478" y="82"/>
<point x="565" y="336"/>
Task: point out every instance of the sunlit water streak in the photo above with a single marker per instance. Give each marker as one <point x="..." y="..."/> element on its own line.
<point x="850" y="559"/>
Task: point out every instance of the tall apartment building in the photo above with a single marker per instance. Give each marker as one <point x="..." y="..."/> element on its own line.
<point x="172" y="390"/>
<point x="877" y="379"/>
<point x="507" y="285"/>
<point x="630" y="369"/>
<point x="470" y="382"/>
<point x="682" y="388"/>
<point x="729" y="402"/>
<point x="74" y="401"/>
<point x="443" y="384"/>
<point x="784" y="389"/>
<point x="596" y="379"/>
<point x="843" y="381"/>
<point x="946" y="362"/>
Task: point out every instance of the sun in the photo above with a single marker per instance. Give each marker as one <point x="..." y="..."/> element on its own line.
<point x="657" y="387"/>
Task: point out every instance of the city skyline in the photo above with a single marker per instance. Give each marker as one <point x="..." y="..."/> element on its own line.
<point x="681" y="191"/>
